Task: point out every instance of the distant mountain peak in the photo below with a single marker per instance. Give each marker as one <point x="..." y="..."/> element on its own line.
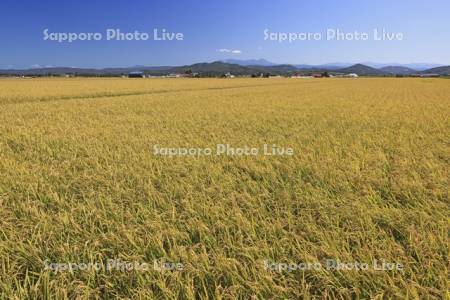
<point x="444" y="70"/>
<point x="361" y="69"/>
<point x="398" y="70"/>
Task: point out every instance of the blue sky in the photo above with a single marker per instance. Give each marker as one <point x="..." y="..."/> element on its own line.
<point x="209" y="26"/>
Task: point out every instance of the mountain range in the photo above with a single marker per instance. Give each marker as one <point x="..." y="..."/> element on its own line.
<point x="235" y="67"/>
<point x="333" y="65"/>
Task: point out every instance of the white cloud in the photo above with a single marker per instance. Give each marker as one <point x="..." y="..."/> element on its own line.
<point x="224" y="50"/>
<point x="35" y="66"/>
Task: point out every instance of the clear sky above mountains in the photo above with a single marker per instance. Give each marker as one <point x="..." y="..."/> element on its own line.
<point x="215" y="30"/>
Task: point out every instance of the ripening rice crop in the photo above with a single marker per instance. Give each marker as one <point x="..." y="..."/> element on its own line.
<point x="81" y="183"/>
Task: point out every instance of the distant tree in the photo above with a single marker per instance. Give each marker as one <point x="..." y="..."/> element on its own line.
<point x="325" y="74"/>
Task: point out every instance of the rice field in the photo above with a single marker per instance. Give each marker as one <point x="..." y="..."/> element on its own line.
<point x="89" y="210"/>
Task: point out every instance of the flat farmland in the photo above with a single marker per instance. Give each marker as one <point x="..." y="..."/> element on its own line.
<point x="360" y="209"/>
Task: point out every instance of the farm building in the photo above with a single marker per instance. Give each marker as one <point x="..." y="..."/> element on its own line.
<point x="136" y="75"/>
